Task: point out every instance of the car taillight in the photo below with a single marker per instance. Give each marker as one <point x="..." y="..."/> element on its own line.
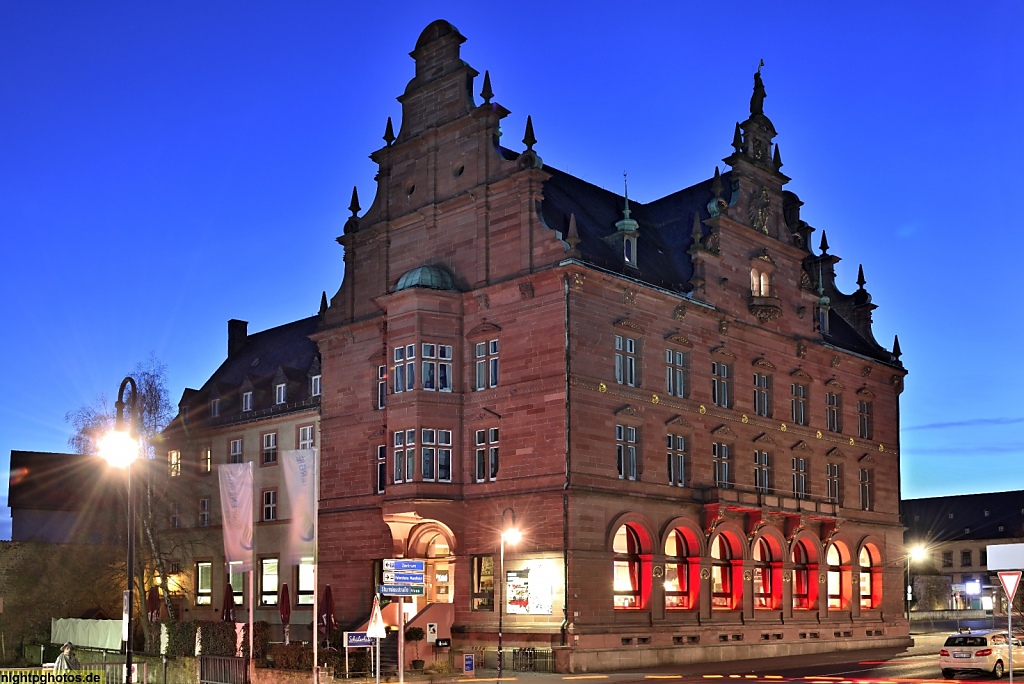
<point x="983" y="652"/>
<point x="944" y="653"/>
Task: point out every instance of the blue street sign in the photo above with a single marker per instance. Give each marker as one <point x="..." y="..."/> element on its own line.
<point x="404" y="564"/>
<point x="400" y="589"/>
<point x="469" y="662"/>
<point x="358" y="639"/>
<point x="404" y="577"/>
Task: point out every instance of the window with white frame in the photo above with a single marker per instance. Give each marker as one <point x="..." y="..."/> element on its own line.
<point x="270" y="447"/>
<point x="174" y="463"/>
<point x="214" y="408"/>
<point x="235" y="451"/>
<point x="314" y="385"/>
<point x="625" y="360"/>
<point x="865" y="422"/>
<point x="833" y="482"/>
<point x="306" y="438"/>
<point x="405" y="455"/>
<point x="487" y="454"/>
<point x="677" y="365"/>
<point x="799" y="466"/>
<point x="382" y="387"/>
<point x="864" y="478"/>
<point x="625" y="451"/>
<point x="798" y="403"/>
<point x="833" y="412"/>
<point x="404" y="368"/>
<point x="175" y="515"/>
<point x="676" y="448"/>
<point x="269" y="505"/>
<point x="204" y="583"/>
<point x="436" y="455"/>
<point x="304" y="587"/>
<point x="382" y="468"/>
<point x="247" y="401"/>
<point x="268" y="581"/>
<point x="444" y="455"/>
<point x="280" y="393"/>
<point x="720" y="464"/>
<point x="204" y="512"/>
<point x="720" y="379"/>
<point x="486" y="364"/>
<point x="762" y="471"/>
<point x="762" y="395"/>
<point x="237" y="579"/>
<point x="437" y="367"/>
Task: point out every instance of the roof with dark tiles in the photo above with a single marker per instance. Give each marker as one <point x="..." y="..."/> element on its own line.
<point x="995" y="515"/>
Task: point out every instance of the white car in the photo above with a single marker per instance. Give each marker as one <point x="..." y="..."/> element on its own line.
<point x="980" y="651"/>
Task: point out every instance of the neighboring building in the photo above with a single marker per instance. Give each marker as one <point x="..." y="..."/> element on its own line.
<point x="954" y="532"/>
<point x="264" y="399"/>
<point x="693" y="427"/>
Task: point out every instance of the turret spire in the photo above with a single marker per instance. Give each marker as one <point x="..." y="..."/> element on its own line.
<point x="486" y="92"/>
<point x="737" y="139"/>
<point x="824" y="244"/>
<point x="896" y="351"/>
<point x="860" y="276"/>
<point x="389" y="133"/>
<point x="529" y="139"/>
<point x="354" y="205"/>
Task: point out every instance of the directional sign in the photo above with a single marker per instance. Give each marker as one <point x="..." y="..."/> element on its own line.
<point x="400" y="589"/>
<point x="1010" y="582"/>
<point x="404" y="577"/>
<point x="404" y="564"/>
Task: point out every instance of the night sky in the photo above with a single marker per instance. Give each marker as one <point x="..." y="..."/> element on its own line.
<point x="167" y="166"/>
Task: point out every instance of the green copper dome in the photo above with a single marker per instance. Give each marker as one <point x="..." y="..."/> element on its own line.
<point x="432" y="277"/>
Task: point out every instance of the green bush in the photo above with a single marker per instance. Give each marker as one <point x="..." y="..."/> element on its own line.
<point x="181" y="637"/>
<point x="261" y="637"/>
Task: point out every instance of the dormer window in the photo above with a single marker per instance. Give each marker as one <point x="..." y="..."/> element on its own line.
<point x="214" y="408"/>
<point x="280" y="393"/>
<point x="314" y="386"/>
<point x="247" y="401"/>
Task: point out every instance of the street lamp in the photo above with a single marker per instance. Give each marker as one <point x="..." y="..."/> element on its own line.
<point x="915" y="553"/>
<point x="120" y="448"/>
<point x="510" y="534"/>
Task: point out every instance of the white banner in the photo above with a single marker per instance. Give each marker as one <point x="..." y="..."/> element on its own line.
<point x="300" y="483"/>
<point x="236" y="512"/>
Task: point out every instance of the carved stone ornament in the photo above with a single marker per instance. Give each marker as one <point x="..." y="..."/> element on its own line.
<point x="712" y="242"/>
<point x="759" y="208"/>
<point x="723" y="431"/>
<point x="835" y="362"/>
<point x="703" y="409"/>
<point x="748" y="575"/>
<point x="787" y="576"/>
<point x="602" y="388"/>
<point x="818" y="434"/>
<point x="832" y="382"/>
<point x="577" y="280"/>
<point x="628" y="324"/>
<point x="679" y="312"/>
<point x="658" y="571"/>
<point x="821" y="578"/>
<point x="744" y="419"/>
<point x="764" y="363"/>
<point x="764" y="438"/>
<point x="483" y="301"/>
<point x="801" y="349"/>
<point x="655" y="399"/>
<point x="678" y="339"/>
<point x="765" y="309"/>
<point x="526" y="290"/>
<point x="801" y="446"/>
<point x="627" y="410"/>
<point x="782" y="427"/>
<point x="723" y="326"/>
<point x="705" y="573"/>
<point x="865" y="371"/>
<point x="852" y="443"/>
<point x="678" y="421"/>
<point x="629" y="296"/>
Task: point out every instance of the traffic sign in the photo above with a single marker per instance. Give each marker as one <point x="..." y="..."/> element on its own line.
<point x="1010" y="581"/>
<point x="401" y="589"/>
<point x="404" y="564"/>
<point x="404" y="577"/>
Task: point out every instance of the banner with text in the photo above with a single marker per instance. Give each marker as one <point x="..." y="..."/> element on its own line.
<point x="300" y="484"/>
<point x="236" y="512"/>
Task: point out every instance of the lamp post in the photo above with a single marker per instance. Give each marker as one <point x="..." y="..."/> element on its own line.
<point x="120" y="448"/>
<point x="510" y="535"/>
<point x="915" y="553"/>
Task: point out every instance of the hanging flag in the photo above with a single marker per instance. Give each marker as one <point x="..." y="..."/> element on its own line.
<point x="300" y="483"/>
<point x="236" y="512"/>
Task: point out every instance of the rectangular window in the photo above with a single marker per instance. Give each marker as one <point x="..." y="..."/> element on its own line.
<point x="866" y="503"/>
<point x="382" y="387"/>
<point x="174" y="463"/>
<point x="486" y="364"/>
<point x="487" y="455"/>
<point x="204" y="512"/>
<point x="483" y="583"/>
<point x="625" y="360"/>
<point x="947" y="559"/>
<point x="833" y="482"/>
<point x="676" y="447"/>
<point x="720" y="384"/>
<point x="676" y="365"/>
<point x="437" y="367"/>
<point x="205" y="460"/>
<point x="175" y="516"/>
<point x="270" y="505"/>
<point x="306" y="440"/>
<point x="268" y="581"/>
<point x="235" y="451"/>
<point x="833" y="412"/>
<point x="720" y="464"/>
<point x="280" y="393"/>
<point x="798" y="403"/>
<point x="247" y="401"/>
<point x="444" y="456"/>
<point x="405" y="368"/>
<point x="625" y="451"/>
<point x="762" y="395"/>
<point x="966" y="558"/>
<point x="428" y="454"/>
<point x="304" y="586"/>
<point x="799" y="478"/>
<point x="204" y="583"/>
<point x="314" y="386"/>
<point x="270" y="448"/>
<point x="865" y="422"/>
<point x="762" y="471"/>
<point x="382" y="468"/>
<point x="983" y="557"/>
<point x="405" y="455"/>
<point x="214" y="408"/>
<point x="237" y="581"/>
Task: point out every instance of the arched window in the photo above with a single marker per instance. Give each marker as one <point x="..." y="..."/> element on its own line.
<point x="838" y="577"/>
<point x="677" y="571"/>
<point x="755" y="282"/>
<point x="763" y="575"/>
<point x="870" y="578"/>
<point x="722" y="595"/>
<point x="766" y="285"/>
<point x="805" y="589"/>
<point x="760" y="283"/>
<point x="627" y="568"/>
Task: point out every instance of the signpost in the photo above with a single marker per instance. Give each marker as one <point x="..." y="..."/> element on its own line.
<point x="1010" y="579"/>
<point x="402" y="577"/>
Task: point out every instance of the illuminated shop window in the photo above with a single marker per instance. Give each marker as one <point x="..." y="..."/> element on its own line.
<point x="627" y="582"/>
<point x="723" y="596"/>
<point x="680" y="554"/>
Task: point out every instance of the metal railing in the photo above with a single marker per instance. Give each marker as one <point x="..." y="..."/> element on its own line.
<point x="223" y="670"/>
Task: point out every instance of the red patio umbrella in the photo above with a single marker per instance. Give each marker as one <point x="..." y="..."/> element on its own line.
<point x="227" y="611"/>
<point x="284" y="603"/>
<point x="153" y="603"/>
<point x="327" y="621"/>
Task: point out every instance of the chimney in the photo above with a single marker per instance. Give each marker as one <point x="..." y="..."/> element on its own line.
<point x="238" y="332"/>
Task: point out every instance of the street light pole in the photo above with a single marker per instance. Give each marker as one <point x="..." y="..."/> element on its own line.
<point x="512" y="535"/>
<point x="119" y="448"/>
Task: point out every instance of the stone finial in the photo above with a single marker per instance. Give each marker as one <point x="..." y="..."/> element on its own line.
<point x="354" y="205"/>
<point x="824" y="244"/>
<point x="737" y="139"/>
<point x="896" y="351"/>
<point x="389" y="133"/>
<point x="860" y="276"/>
<point x="529" y="139"/>
<point x="323" y="304"/>
<point x="698" y="231"/>
<point x="716" y="184"/>
<point x="777" y="159"/>
<point x="486" y="92"/>
<point x="572" y="235"/>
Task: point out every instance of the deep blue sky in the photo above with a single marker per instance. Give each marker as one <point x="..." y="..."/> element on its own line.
<point x="167" y="166"/>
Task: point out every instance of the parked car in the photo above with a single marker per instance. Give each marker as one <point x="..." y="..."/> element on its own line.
<point x="980" y="651"/>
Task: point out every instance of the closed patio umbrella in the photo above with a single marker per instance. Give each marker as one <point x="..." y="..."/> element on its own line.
<point x="153" y="603"/>
<point x="284" y="602"/>
<point x="227" y="611"/>
<point x="327" y="621"/>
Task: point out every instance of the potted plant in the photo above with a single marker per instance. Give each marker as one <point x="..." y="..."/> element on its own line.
<point x="416" y="635"/>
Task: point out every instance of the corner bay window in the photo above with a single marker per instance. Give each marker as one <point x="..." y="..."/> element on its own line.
<point x="627" y="578"/>
<point x="436" y="463"/>
<point x="405" y="455"/>
<point x="437" y="367"/>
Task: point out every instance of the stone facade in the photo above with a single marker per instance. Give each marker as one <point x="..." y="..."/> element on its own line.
<point x="691" y="425"/>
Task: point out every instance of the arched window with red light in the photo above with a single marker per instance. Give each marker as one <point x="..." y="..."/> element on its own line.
<point x="870" y="577"/>
<point x="725" y="592"/>
<point x="805" y="588"/>
<point x="681" y="562"/>
<point x="627" y="578"/>
<point x="837" y="558"/>
<point x="763" y="575"/>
